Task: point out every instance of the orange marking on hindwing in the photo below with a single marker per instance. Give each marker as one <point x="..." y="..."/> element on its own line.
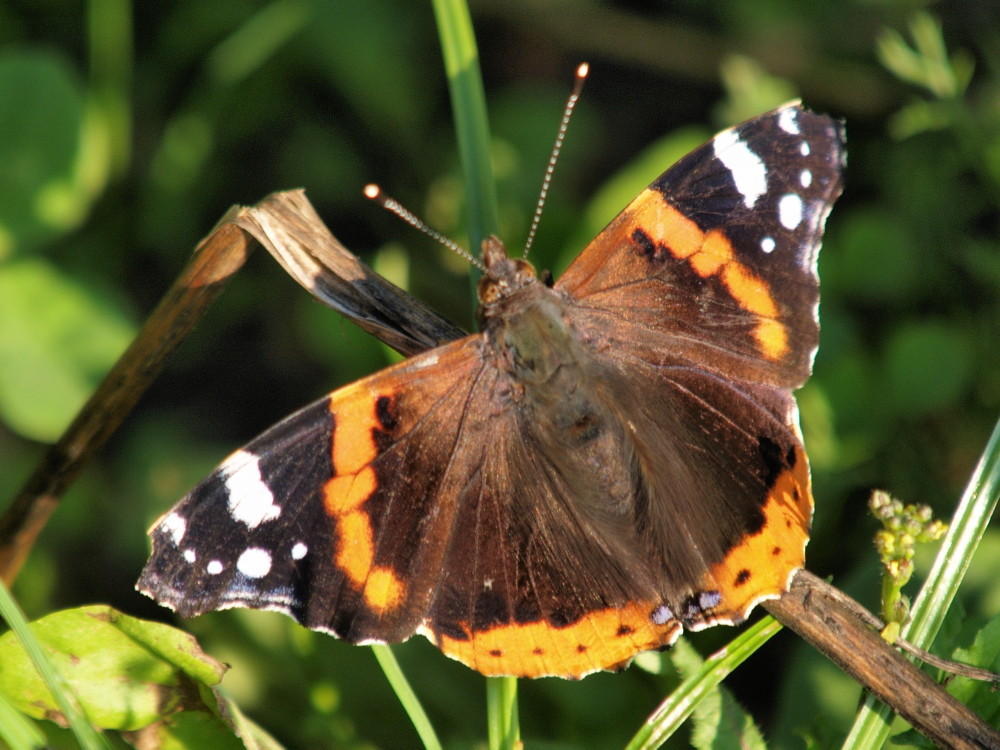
<point x="354" y="448"/>
<point x="604" y="639"/>
<point x="711" y="254"/>
<point x="761" y="565"/>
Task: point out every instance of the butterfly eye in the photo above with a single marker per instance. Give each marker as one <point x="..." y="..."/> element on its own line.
<point x="489" y="291"/>
<point x="524" y="273"/>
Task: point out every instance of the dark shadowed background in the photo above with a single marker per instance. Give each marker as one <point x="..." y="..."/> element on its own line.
<point x="120" y="147"/>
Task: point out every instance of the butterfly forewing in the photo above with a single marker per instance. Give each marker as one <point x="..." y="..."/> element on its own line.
<point x="719" y="253"/>
<point x="324" y="516"/>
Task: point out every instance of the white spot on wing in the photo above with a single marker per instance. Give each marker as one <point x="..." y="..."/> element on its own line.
<point x="805" y="178"/>
<point x="788" y="121"/>
<point x="299" y="550"/>
<point x="175" y="525"/>
<point x="250" y="500"/>
<point x="190" y="555"/>
<point x="747" y="169"/>
<point x="804" y="148"/>
<point x="767" y="244"/>
<point x="790" y="210"/>
<point x="709" y="599"/>
<point x="662" y="615"/>
<point x="254" y="562"/>
<point x="214" y="567"/>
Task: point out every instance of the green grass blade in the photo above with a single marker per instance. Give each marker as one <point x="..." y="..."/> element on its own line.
<point x="465" y="84"/>
<point x="86" y="735"/>
<point x="501" y="708"/>
<point x="680" y="704"/>
<point x="17" y="731"/>
<point x="249" y="47"/>
<point x="871" y="727"/>
<point x="412" y="706"/>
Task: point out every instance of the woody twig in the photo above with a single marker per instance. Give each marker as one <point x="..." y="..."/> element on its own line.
<point x="817" y="611"/>
<point x="287" y="225"/>
<point x="214" y="261"/>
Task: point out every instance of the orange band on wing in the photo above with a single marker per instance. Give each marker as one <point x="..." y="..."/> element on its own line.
<point x="711" y="254"/>
<point x="764" y="562"/>
<point x="603" y="639"/>
<point x="354" y="448"/>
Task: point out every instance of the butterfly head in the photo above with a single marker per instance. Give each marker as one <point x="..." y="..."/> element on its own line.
<point x="502" y="275"/>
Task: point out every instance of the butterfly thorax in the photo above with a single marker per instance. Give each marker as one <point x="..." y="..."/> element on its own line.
<point x="559" y="384"/>
<point x="526" y="321"/>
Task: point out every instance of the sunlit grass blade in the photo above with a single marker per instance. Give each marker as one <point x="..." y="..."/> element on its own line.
<point x="680" y="704"/>
<point x="411" y="704"/>
<point x="501" y="707"/>
<point x="468" y="101"/>
<point x="86" y="735"/>
<point x="975" y="509"/>
<point x="247" y="49"/>
<point x="108" y="131"/>
<point x="17" y="731"/>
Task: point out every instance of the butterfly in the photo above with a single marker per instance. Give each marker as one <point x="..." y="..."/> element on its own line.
<point x="613" y="459"/>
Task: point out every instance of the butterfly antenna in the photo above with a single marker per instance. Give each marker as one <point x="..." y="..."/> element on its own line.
<point x="374" y="192"/>
<point x="581" y="76"/>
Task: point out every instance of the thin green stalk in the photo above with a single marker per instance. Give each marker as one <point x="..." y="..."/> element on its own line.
<point x="465" y="84"/>
<point x="17" y="730"/>
<point x="468" y="101"/>
<point x="871" y="726"/>
<point x="680" y="704"/>
<point x="411" y="704"/>
<point x="501" y="708"/>
<point x="87" y="737"/>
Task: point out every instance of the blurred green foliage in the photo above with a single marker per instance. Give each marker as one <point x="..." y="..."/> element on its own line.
<point x="126" y="131"/>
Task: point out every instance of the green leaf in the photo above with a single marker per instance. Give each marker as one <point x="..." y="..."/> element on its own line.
<point x="57" y="340"/>
<point x="41" y="114"/>
<point x="981" y="697"/>
<point x="188" y="730"/>
<point x="750" y="89"/>
<point x="385" y="89"/>
<point x="892" y="276"/>
<point x="127" y="673"/>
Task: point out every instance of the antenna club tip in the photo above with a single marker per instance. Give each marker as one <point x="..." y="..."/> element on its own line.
<point x="583" y="70"/>
<point x="372" y="191"/>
